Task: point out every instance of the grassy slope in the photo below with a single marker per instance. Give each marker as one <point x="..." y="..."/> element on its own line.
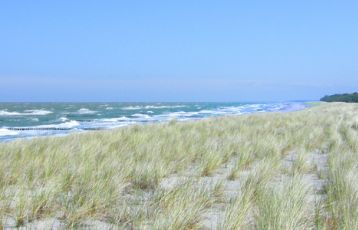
<point x="114" y="176"/>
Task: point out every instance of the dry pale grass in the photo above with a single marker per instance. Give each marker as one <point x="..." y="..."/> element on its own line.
<point x="114" y="176"/>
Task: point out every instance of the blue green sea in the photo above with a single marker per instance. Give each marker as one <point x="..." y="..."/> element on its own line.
<point x="28" y="120"/>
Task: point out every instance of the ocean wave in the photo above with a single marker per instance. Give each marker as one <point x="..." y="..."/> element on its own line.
<point x="211" y="112"/>
<point x="132" y="108"/>
<point x="115" y="119"/>
<point x="66" y="125"/>
<point x="37" y="112"/>
<point x="183" y="114"/>
<point x="6" y="113"/>
<point x="85" y="111"/>
<point x="109" y="123"/>
<point x="193" y="114"/>
<point x="32" y="112"/>
<point x="6" y="132"/>
<point x="153" y="107"/>
<point x="221" y="111"/>
<point x="140" y="115"/>
<point x="63" y="119"/>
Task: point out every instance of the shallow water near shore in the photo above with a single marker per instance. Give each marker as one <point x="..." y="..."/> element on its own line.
<point x="24" y="120"/>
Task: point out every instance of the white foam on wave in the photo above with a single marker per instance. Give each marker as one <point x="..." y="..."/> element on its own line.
<point x="85" y="111"/>
<point x="195" y="114"/>
<point x="140" y="115"/>
<point x="252" y="108"/>
<point x="6" y="113"/>
<point x="164" y="106"/>
<point x="211" y="112"/>
<point x="262" y="108"/>
<point x="63" y="119"/>
<point x="153" y="107"/>
<point x="66" y="125"/>
<point x="132" y="107"/>
<point x="37" y="112"/>
<point x="109" y="123"/>
<point x="222" y="111"/>
<point x="31" y="112"/>
<point x="115" y="119"/>
<point x="182" y="114"/>
<point x="6" y="132"/>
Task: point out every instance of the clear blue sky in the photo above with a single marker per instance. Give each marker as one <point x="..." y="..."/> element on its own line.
<point x="177" y="50"/>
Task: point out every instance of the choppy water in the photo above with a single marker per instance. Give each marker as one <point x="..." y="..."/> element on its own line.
<point x="24" y="120"/>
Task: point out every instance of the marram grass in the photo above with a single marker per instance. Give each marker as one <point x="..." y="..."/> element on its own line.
<point x="115" y="176"/>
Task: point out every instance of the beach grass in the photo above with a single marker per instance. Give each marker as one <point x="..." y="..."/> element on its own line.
<point x="115" y="177"/>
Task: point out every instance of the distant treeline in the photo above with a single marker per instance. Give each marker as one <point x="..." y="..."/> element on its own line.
<point x="346" y="97"/>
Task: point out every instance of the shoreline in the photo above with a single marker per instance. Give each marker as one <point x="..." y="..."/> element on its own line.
<point x="64" y="131"/>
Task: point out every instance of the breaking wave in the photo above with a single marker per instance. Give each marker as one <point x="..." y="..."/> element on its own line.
<point x="6" y="132"/>
<point x="153" y="107"/>
<point x="32" y="112"/>
<point x="85" y="111"/>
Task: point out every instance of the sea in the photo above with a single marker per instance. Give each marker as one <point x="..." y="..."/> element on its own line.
<point x="29" y="120"/>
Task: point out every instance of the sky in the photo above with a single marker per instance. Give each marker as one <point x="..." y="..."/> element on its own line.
<point x="198" y="50"/>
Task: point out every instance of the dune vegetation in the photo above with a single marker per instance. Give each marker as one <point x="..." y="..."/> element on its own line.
<point x="346" y="97"/>
<point x="295" y="170"/>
